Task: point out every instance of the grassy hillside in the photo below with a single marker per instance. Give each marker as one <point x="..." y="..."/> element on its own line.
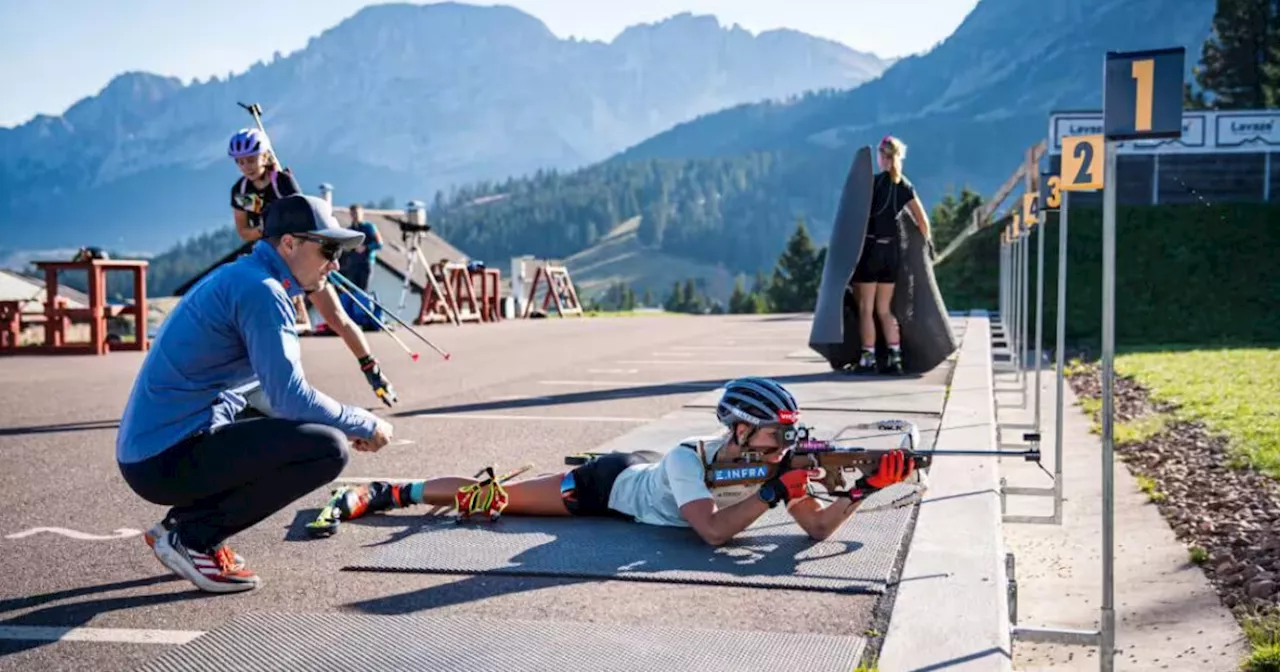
<point x="620" y="257"/>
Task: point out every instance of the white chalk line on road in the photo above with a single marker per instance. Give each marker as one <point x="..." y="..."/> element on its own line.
<point x="624" y="384"/>
<point x="530" y="418"/>
<point x="702" y="362"/>
<point x="44" y="633"/>
<point x="121" y="533"/>
<point x="518" y="397"/>
<point x="624" y="371"/>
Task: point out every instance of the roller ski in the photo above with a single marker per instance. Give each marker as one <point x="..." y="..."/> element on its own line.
<point x="350" y="502"/>
<point x="326" y="523"/>
<point x="487" y="496"/>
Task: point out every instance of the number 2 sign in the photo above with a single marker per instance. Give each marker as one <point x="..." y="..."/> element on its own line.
<point x="1082" y="163"/>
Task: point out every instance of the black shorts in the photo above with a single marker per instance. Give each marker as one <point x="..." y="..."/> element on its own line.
<point x="879" y="261"/>
<point x="586" y="489"/>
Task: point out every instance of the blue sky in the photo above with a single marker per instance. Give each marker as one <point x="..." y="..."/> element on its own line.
<point x="55" y="52"/>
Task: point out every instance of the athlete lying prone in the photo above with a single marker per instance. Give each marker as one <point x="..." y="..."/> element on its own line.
<point x="759" y="417"/>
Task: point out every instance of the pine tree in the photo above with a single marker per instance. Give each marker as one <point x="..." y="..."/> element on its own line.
<point x="648" y="298"/>
<point x="693" y="301"/>
<point x="1240" y="62"/>
<point x="676" y="301"/>
<point x="796" y="276"/>
<point x="739" y="301"/>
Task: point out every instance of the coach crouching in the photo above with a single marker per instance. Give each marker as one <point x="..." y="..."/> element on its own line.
<point x="182" y="442"/>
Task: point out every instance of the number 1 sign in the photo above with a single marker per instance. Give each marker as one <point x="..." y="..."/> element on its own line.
<point x="1142" y="94"/>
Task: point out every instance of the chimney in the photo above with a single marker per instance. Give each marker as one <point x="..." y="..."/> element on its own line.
<point x="326" y="192"/>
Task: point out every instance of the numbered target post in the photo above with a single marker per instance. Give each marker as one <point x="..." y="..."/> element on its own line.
<point x="1142" y="94"/>
<point x="1082" y="163"/>
<point x="1142" y="100"/>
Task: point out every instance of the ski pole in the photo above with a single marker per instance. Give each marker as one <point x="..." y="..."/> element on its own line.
<point x="340" y="278"/>
<point x="413" y="355"/>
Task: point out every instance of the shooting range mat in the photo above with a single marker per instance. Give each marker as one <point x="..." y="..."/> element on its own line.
<point x="345" y="641"/>
<point x="927" y="338"/>
<point x="772" y="553"/>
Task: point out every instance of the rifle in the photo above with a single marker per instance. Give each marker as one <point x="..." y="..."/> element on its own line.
<point x="836" y="462"/>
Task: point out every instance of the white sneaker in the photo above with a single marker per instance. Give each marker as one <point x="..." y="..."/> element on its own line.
<point x="219" y="572"/>
<point x="160" y="529"/>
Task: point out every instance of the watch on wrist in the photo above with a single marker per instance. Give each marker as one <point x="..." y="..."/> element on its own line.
<point x="768" y="495"/>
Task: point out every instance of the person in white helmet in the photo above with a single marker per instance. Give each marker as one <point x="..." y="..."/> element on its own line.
<point x="758" y="415"/>
<point x="262" y="183"/>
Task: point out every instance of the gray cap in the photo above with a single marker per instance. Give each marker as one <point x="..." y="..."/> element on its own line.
<point x="308" y="216"/>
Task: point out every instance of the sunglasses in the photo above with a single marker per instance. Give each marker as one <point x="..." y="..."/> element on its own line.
<point x="329" y="249"/>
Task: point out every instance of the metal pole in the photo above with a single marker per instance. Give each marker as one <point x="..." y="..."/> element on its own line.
<point x="1062" y="358"/>
<point x="1015" y="343"/>
<point x="1039" y="231"/>
<point x="1004" y="289"/>
<point x="1108" y="625"/>
<point x="1024" y="297"/>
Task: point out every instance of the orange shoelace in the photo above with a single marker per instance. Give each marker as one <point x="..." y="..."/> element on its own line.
<point x="226" y="559"/>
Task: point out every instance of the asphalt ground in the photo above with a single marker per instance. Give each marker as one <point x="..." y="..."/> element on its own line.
<point x="513" y="393"/>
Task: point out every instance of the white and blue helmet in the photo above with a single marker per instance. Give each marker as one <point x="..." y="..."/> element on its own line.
<point x="756" y="401"/>
<point x="248" y="142"/>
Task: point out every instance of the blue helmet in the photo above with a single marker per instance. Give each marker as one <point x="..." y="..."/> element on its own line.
<point x="757" y="402"/>
<point x="248" y="142"/>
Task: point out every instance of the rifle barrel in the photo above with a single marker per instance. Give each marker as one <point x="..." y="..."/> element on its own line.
<point x="959" y="453"/>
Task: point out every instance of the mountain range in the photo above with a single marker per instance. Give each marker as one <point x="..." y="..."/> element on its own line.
<point x="398" y="100"/>
<point x="727" y="187"/>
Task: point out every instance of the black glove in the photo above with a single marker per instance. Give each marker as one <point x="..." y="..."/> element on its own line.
<point x="380" y="384"/>
<point x="788" y="484"/>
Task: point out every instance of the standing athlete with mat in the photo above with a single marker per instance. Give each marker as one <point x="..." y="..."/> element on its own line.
<point x="181" y="443"/>
<point x="876" y="275"/>
<point x="758" y="415"/>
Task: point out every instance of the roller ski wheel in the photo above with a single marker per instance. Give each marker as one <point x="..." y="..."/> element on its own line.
<point x="326" y="523"/>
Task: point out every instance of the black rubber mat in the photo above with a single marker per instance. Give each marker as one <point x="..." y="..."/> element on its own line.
<point x="328" y="642"/>
<point x="772" y="553"/>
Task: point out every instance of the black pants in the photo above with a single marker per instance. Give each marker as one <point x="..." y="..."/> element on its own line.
<point x="586" y="489"/>
<point x="230" y="480"/>
<point x="879" y="261"/>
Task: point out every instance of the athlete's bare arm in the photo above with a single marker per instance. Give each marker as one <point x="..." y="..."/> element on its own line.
<point x="819" y="521"/>
<point x="247" y="233"/>
<point x="717" y="527"/>
<point x="326" y="302"/>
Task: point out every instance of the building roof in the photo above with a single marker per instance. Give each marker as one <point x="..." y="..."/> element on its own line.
<point x="16" y="286"/>
<point x="394" y="255"/>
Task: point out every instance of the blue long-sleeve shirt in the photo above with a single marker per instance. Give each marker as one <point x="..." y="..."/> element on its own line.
<point x="235" y="325"/>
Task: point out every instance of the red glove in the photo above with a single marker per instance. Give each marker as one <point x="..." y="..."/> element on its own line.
<point x="895" y="467"/>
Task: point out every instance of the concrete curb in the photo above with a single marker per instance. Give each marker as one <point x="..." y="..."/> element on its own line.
<point x="951" y="610"/>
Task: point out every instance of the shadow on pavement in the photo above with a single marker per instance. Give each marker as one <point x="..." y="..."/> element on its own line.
<point x="76" y="614"/>
<point x="541" y="564"/>
<point x="87" y="425"/>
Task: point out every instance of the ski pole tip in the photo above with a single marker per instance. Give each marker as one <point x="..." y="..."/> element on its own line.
<point x="414" y="355"/>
